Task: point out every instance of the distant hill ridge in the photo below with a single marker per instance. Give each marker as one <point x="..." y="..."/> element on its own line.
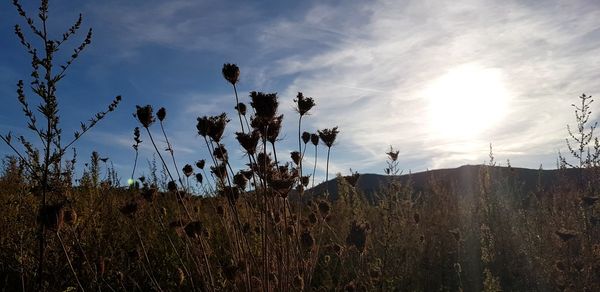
<point x="465" y="178"/>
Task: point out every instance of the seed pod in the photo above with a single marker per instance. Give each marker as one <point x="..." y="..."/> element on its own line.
<point x="161" y="114"/>
<point x="231" y="73"/>
<point x="305" y="137"/>
<point x="188" y="170"/>
<point x="144" y="115"/>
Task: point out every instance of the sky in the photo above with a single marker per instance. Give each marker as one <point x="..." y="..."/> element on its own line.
<point x="437" y="80"/>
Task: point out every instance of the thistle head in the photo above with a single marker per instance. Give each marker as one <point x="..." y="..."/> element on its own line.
<point x="328" y="136"/>
<point x="200" y="163"/>
<point x="231" y="73"/>
<point x="303" y="104"/>
<point x="144" y="115"/>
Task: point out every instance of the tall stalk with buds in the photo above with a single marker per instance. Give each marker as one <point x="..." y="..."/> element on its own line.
<point x="45" y="79"/>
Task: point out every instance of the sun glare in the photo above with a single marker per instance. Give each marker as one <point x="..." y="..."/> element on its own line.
<point x="466" y="101"/>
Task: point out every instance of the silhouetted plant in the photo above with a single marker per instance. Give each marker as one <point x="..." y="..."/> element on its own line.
<point x="583" y="136"/>
<point x="328" y="136"/>
<point x="45" y="79"/>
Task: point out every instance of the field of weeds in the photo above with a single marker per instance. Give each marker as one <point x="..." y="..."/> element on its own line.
<point x="205" y="226"/>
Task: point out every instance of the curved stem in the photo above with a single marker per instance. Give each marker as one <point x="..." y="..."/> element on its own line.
<point x="171" y="151"/>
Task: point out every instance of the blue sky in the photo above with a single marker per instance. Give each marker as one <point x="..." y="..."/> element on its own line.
<point x="439" y="80"/>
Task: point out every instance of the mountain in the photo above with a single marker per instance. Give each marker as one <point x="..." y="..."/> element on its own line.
<point x="466" y="179"/>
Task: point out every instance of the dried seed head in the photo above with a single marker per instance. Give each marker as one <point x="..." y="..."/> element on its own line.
<point x="200" y="164"/>
<point x="213" y="126"/>
<point x="188" y="170"/>
<point x="282" y="185"/>
<point x="220" y="171"/>
<point x="199" y="178"/>
<point x="231" y="73"/>
<point x="241" y="108"/>
<point x="328" y="136"/>
<point x="248" y="141"/>
<point x="303" y="104"/>
<point x="247" y="173"/>
<point x="324" y="208"/>
<point x="305" y="137"/>
<point x="296" y="157"/>
<point x="240" y="180"/>
<point x="357" y="236"/>
<point x="265" y="104"/>
<point x="220" y="152"/>
<point x="144" y="115"/>
<point x="273" y="129"/>
<point x="161" y="114"/>
<point x="217" y="127"/>
<point x="305" y="180"/>
<point x="203" y="125"/>
<point x="314" y="139"/>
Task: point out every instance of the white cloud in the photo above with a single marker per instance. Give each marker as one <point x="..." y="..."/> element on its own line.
<point x="369" y="77"/>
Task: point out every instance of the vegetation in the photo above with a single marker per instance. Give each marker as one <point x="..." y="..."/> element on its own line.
<point x="262" y="229"/>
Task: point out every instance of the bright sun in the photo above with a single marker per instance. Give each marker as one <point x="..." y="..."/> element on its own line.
<point x="466" y="101"/>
